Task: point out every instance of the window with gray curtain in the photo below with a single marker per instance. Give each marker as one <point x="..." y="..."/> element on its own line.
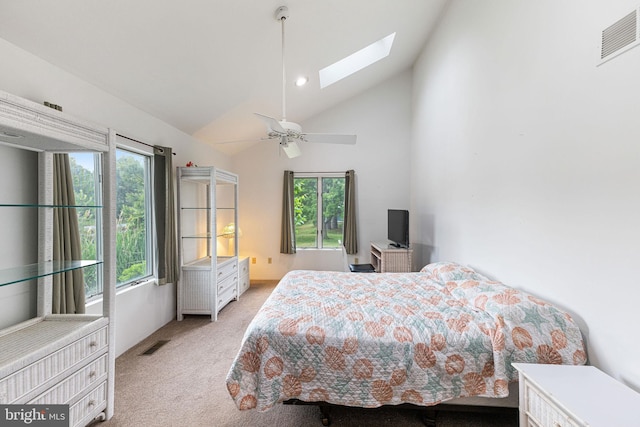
<point x="164" y="212"/>
<point x="318" y="211"/>
<point x="287" y="234"/>
<point x="350" y="223"/>
<point x="68" y="287"/>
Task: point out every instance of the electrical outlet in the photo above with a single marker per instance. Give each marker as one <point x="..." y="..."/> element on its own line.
<point x="269" y="260"/>
<point x="355" y="261"/>
<point x="253" y="260"/>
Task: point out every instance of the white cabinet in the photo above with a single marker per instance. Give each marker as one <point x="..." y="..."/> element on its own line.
<point x="67" y="358"/>
<point x="208" y="218"/>
<point x="389" y="259"/>
<point x="572" y="396"/>
<point x="243" y="273"/>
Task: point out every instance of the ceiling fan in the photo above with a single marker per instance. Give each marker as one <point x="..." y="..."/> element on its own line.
<point x="289" y="133"/>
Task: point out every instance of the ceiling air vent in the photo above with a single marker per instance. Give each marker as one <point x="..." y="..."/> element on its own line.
<point x="619" y="37"/>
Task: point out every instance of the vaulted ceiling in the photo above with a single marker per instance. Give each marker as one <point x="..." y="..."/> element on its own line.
<point x="204" y="66"/>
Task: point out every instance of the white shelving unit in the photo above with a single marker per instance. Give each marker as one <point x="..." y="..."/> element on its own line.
<point x="63" y="358"/>
<point x="208" y="228"/>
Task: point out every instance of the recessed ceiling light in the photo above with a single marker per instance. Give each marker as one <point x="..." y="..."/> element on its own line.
<point x="302" y="80"/>
<point x="356" y="61"/>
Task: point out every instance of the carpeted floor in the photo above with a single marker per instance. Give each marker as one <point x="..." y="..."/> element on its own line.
<point x="183" y="382"/>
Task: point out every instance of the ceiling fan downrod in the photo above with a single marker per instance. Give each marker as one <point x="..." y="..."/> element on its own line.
<point x="282" y="13"/>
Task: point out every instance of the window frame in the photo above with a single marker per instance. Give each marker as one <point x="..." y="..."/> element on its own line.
<point x="319" y="176"/>
<point x="150" y="256"/>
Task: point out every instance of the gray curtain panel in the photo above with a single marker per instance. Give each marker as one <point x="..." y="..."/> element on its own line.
<point x="68" y="287"/>
<point x="288" y="235"/>
<point x="350" y="229"/>
<point x="164" y="213"/>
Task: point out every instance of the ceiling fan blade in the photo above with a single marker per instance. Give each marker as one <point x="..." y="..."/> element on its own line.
<point x="290" y="148"/>
<point x="330" y="138"/>
<point x="272" y="123"/>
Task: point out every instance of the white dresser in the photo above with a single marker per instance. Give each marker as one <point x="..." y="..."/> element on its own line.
<point x="571" y="396"/>
<point x="58" y="359"/>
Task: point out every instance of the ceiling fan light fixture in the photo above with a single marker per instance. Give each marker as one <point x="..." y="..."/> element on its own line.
<point x="290" y="133"/>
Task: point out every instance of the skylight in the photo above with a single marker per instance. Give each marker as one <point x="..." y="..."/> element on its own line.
<point x="356" y="61"/>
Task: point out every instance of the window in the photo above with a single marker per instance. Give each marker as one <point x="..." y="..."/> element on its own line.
<point x="85" y="171"/>
<point x="319" y="210"/>
<point x="134" y="254"/>
<point x="134" y="248"/>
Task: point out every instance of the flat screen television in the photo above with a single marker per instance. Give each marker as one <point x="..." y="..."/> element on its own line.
<point x="398" y="228"/>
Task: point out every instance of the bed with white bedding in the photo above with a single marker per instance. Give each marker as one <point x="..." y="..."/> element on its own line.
<point x="368" y="340"/>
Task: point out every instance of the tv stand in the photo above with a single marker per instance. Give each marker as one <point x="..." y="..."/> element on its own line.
<point x="386" y="258"/>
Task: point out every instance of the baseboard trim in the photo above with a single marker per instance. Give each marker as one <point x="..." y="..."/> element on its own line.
<point x="264" y="281"/>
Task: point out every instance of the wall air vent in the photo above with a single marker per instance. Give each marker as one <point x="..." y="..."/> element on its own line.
<point x="619" y="37"/>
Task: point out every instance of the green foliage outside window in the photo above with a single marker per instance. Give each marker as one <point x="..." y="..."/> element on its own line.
<point x="131" y="217"/>
<point x="306" y="208"/>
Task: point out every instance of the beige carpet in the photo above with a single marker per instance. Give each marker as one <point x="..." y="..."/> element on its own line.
<point x="183" y="382"/>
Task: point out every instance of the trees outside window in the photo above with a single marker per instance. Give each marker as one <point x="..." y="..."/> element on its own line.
<point x="319" y="210"/>
<point x="134" y="256"/>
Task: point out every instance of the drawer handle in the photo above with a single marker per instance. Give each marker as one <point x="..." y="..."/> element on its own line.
<point x="92" y="374"/>
<point x="93" y="344"/>
<point x="91" y="403"/>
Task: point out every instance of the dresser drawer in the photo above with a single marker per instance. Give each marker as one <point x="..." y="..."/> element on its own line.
<point x="243" y="266"/>
<point x="227" y="269"/>
<point x="68" y="390"/>
<point x="542" y="412"/>
<point x="227" y="283"/>
<point x="244" y="283"/>
<point x="25" y="383"/>
<point x="243" y="273"/>
<point x="225" y="297"/>
<point x="89" y="407"/>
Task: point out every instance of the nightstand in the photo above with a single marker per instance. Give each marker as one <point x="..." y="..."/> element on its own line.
<point x="572" y="396"/>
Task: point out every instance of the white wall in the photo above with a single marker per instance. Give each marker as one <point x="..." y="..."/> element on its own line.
<point x="381" y="119"/>
<point x="18" y="185"/>
<point x="525" y="160"/>
<point x="140" y="310"/>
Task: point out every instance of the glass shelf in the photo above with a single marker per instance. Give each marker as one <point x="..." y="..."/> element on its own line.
<point x="198" y="236"/>
<point x="34" y="271"/>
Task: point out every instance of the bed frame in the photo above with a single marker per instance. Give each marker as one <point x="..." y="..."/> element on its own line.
<point x="429" y="414"/>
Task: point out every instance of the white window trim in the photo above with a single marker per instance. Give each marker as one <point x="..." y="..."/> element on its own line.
<point x="143" y="150"/>
<point x="318" y="176"/>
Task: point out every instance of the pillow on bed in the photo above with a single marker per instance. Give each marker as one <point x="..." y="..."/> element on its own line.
<point x="447" y="271"/>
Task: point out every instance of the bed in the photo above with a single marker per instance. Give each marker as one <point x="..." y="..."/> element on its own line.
<point x="368" y="340"/>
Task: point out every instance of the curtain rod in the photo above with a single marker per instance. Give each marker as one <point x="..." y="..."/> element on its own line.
<point x="322" y="172"/>
<point x="139" y="142"/>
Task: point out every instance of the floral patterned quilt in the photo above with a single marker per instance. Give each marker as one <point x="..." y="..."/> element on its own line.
<point x="368" y="340"/>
